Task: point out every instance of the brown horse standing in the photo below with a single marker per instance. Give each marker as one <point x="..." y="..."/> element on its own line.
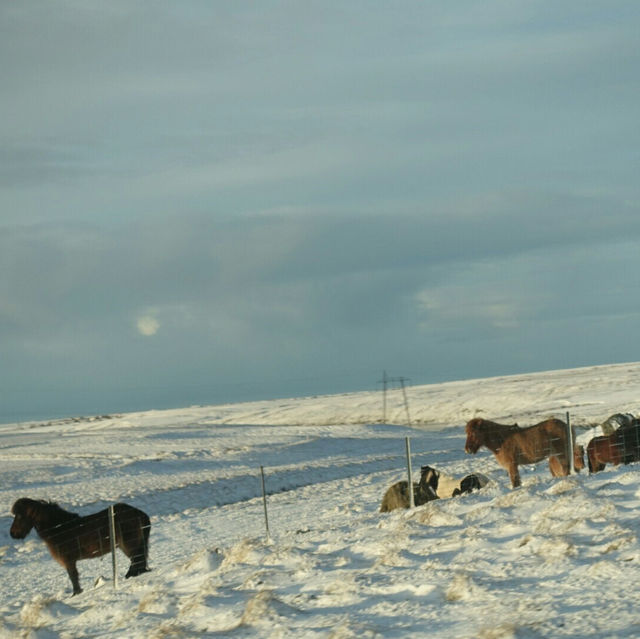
<point x="620" y="447"/>
<point x="71" y="537"/>
<point x="513" y="445"/>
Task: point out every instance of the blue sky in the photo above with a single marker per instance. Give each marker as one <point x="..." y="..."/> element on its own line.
<point x="210" y="201"/>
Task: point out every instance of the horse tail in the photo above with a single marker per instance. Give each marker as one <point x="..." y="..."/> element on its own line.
<point x="142" y="531"/>
<point x="146" y="532"/>
<point x="135" y="542"/>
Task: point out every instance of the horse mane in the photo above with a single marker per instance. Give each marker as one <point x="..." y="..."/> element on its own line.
<point x="491" y="434"/>
<point x="49" y="510"/>
<point x="59" y="512"/>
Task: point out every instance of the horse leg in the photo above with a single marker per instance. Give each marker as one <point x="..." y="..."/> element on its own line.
<point x="72" y="571"/>
<point x="514" y="475"/>
<point x="595" y="465"/>
<point x="138" y="564"/>
<point x="138" y="556"/>
<point x="559" y="466"/>
<point x="592" y="459"/>
<point x="133" y="540"/>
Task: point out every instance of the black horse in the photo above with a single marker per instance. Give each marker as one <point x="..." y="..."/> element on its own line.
<point x="71" y="537"/>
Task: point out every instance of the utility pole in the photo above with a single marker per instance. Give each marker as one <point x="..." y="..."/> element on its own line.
<point x="402" y="380"/>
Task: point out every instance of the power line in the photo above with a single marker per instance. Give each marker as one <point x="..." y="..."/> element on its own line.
<point x="385" y="384"/>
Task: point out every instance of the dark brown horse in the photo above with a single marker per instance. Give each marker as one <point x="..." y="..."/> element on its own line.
<point x="513" y="445"/>
<point x="620" y="447"/>
<point x="71" y="537"/>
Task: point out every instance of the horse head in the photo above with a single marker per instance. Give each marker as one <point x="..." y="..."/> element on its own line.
<point x="594" y="463"/>
<point x="429" y="478"/>
<point x="23" y="521"/>
<point x="475" y="430"/>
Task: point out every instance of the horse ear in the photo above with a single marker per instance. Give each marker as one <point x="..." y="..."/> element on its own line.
<point x="19" y="506"/>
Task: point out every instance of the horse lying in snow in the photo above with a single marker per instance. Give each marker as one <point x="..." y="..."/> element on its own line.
<point x="447" y="486"/>
<point x="514" y="446"/>
<point x="432" y="485"/>
<point x="397" y="495"/>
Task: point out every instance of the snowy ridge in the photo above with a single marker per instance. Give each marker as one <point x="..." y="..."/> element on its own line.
<point x="554" y="558"/>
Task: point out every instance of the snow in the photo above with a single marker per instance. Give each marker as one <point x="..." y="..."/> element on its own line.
<point x="553" y="558"/>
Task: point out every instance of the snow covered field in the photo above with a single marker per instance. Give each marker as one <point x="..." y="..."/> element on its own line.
<point x="554" y="558"/>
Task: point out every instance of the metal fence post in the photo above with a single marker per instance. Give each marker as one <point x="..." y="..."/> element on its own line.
<point x="264" y="503"/>
<point x="570" y="446"/>
<point x="112" y="537"/>
<point x="409" y="476"/>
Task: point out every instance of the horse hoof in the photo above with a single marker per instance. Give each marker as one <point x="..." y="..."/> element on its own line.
<point x="134" y="572"/>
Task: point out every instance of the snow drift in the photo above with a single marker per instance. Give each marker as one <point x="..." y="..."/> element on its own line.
<point x="553" y="558"/>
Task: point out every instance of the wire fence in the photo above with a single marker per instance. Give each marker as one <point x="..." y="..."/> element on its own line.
<point x="70" y="536"/>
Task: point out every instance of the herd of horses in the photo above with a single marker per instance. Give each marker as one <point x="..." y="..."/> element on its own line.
<point x="514" y="446"/>
<point x="71" y="537"/>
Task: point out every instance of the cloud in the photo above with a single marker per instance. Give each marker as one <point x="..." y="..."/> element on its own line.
<point x="147" y="325"/>
<point x="312" y="187"/>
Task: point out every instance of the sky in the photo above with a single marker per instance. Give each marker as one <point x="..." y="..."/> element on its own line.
<point x="206" y="202"/>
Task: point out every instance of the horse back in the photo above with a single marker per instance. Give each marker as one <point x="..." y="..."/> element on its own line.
<point x="534" y="443"/>
<point x="551" y="434"/>
<point x="80" y="537"/>
<point x="90" y="535"/>
<point x="125" y="512"/>
<point x="553" y="428"/>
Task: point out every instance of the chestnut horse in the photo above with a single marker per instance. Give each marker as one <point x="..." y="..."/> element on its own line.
<point x="513" y="445"/>
<point x="71" y="537"/>
<point x="620" y="447"/>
